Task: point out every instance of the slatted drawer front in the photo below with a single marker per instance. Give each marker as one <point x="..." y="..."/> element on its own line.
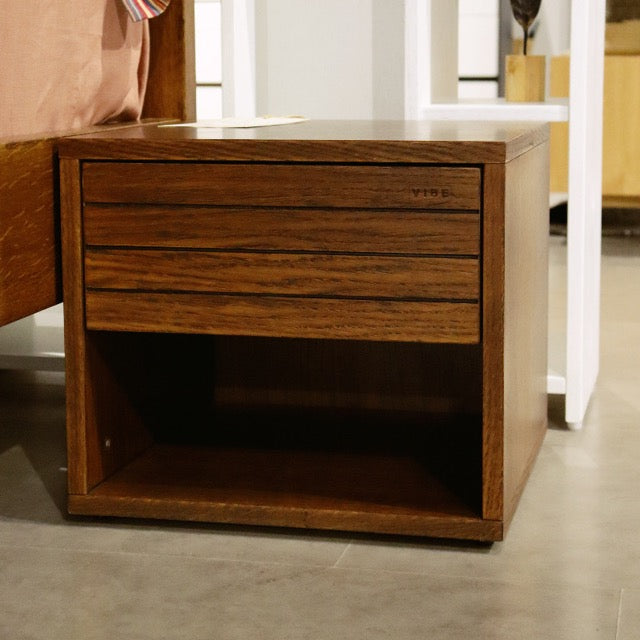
<point x="380" y="252"/>
<point x="329" y="275"/>
<point x="283" y="229"/>
<point x="284" y="185"/>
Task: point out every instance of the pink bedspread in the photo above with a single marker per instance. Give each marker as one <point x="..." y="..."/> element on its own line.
<point x="72" y="64"/>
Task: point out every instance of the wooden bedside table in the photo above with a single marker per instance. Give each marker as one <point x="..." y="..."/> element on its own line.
<point x="332" y="325"/>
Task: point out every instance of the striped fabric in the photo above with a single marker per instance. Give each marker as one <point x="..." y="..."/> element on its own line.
<point x="145" y="9"/>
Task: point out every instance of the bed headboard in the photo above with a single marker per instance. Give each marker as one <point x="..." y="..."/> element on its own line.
<point x="30" y="276"/>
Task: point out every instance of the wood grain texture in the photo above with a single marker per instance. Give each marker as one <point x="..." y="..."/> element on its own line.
<point x="420" y="417"/>
<point x="357" y="141"/>
<point x="525" y="78"/>
<point x="283" y="317"/>
<point x="386" y="378"/>
<point x="29" y="254"/>
<point x="104" y="429"/>
<point x="283" y="185"/>
<point x="302" y="489"/>
<point x="525" y="319"/>
<point x="79" y="429"/>
<point x="493" y="274"/>
<point x="326" y="275"/>
<point x="171" y="84"/>
<point x="276" y="229"/>
<point x="515" y="303"/>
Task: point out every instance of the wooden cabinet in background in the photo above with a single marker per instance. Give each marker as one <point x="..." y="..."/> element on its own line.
<point x="621" y="129"/>
<point x="323" y="325"/>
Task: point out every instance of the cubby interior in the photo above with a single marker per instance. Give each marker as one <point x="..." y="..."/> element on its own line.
<point x="286" y="426"/>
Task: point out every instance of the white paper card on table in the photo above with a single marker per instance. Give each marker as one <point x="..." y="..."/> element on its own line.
<point x="239" y="123"/>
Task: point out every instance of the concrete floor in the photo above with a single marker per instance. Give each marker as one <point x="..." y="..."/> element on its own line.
<point x="569" y="568"/>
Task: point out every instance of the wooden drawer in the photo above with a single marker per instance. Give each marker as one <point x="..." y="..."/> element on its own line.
<point x="284" y="317"/>
<point x="366" y="252"/>
<point x="318" y="275"/>
<point x="284" y="185"/>
<point x="283" y="229"/>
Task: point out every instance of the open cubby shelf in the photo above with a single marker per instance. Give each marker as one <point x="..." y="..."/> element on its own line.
<point x="230" y="461"/>
<point x="318" y="489"/>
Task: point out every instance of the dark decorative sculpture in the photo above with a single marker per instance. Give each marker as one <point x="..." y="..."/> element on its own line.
<point x="525" y="12"/>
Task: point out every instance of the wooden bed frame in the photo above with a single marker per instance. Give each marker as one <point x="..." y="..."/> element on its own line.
<point x="30" y="275"/>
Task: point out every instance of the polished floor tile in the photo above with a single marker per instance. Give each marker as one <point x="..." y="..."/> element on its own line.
<point x="569" y="567"/>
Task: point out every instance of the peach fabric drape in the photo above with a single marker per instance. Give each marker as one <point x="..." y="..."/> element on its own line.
<point x="65" y="65"/>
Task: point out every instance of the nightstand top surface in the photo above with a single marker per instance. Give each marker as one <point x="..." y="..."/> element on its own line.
<point x="314" y="141"/>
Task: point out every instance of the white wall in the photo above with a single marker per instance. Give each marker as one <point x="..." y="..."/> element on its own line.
<point x="314" y="58"/>
<point x="352" y="59"/>
<point x="552" y="37"/>
<point x="478" y="44"/>
<point x="208" y="58"/>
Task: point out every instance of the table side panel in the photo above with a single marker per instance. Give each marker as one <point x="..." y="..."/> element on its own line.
<point x="30" y="271"/>
<point x="493" y="342"/>
<point x="525" y="318"/>
<point x="75" y="351"/>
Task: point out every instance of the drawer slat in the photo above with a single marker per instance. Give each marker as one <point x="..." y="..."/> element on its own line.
<point x="283" y="229"/>
<point x="442" y="322"/>
<point x="284" y="185"/>
<point x="330" y="275"/>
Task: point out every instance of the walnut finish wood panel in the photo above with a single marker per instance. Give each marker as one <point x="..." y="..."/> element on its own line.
<point x="327" y="275"/>
<point x="332" y="491"/>
<point x="382" y="378"/>
<point x="338" y="230"/>
<point x="284" y="317"/>
<point x="525" y="319"/>
<point x="317" y="141"/>
<point x="514" y="324"/>
<point x="78" y="426"/>
<point x="29" y="255"/>
<point x="381" y="415"/>
<point x="99" y="413"/>
<point x="172" y="80"/>
<point x="493" y="342"/>
<point x="283" y="185"/>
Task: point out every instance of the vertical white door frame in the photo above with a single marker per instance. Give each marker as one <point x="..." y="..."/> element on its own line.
<point x="584" y="216"/>
<point x="238" y="58"/>
<point x="431" y="54"/>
